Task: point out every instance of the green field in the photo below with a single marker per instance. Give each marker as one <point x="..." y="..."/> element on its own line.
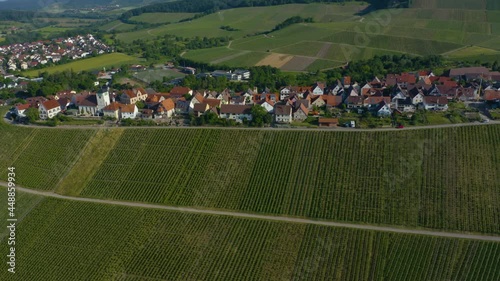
<point x="162" y="17"/>
<point x="67" y="240"/>
<point x="473" y="51"/>
<point x="95" y="63"/>
<point x="117" y="26"/>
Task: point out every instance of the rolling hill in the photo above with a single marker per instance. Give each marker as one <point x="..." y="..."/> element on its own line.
<point x="339" y="34"/>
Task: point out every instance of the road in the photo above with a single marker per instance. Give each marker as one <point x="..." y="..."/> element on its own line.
<point x="339" y="129"/>
<point x="264" y="217"/>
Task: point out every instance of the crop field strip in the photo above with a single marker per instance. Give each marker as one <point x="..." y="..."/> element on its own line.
<point x="158" y="244"/>
<point x="425" y="178"/>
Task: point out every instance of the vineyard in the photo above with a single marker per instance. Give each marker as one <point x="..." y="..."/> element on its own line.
<point x="41" y="156"/>
<point x="442" y="179"/>
<point x="65" y="240"/>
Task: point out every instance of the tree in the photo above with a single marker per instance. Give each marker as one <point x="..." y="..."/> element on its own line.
<point x="260" y="116"/>
<point x="140" y="104"/>
<point x="32" y="114"/>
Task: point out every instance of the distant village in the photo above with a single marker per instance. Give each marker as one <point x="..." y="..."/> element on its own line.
<point x="29" y="55"/>
<point x="403" y="93"/>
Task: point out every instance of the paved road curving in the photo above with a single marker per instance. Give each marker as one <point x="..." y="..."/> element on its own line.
<point x="264" y="217"/>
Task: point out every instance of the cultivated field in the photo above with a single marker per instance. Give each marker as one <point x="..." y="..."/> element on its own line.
<point x="434" y="178"/>
<point x="95" y="63"/>
<point x="41" y="157"/>
<point x="418" y="31"/>
<point x="443" y="179"/>
<point x="65" y="240"/>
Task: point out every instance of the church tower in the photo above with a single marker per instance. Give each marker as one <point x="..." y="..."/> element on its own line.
<point x="102" y="98"/>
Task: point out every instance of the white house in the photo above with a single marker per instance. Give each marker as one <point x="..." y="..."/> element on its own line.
<point x="283" y="113"/>
<point x="49" y="109"/>
<point x="418" y="99"/>
<point x="268" y="105"/>
<point x="236" y="112"/>
<point x="112" y="110"/>
<point x="318" y="88"/>
<point x="20" y="109"/>
<point x="436" y="103"/>
<point x="301" y="113"/>
<point x="383" y="109"/>
<point x="128" y="111"/>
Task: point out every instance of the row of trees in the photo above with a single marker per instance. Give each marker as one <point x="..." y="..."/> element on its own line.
<point x="168" y="46"/>
<point x="272" y="78"/>
<point x="53" y="83"/>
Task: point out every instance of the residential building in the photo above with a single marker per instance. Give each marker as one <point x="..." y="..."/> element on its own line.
<point x="49" y="109"/>
<point x="283" y="113"/>
<point x="236" y="112"/>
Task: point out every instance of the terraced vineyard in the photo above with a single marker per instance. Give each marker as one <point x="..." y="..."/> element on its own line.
<point x="64" y="240"/>
<point x="436" y="178"/>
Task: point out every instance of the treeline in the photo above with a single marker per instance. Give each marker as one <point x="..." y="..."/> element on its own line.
<point x="169" y="46"/>
<point x="29" y="16"/>
<point x="361" y="71"/>
<point x="210" y="6"/>
<point x="67" y="80"/>
<point x="290" y="21"/>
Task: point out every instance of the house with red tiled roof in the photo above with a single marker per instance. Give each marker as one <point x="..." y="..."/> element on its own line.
<point x="166" y="108"/>
<point x="134" y="95"/>
<point x="49" y="109"/>
<point x="179" y="92"/>
<point x="492" y="96"/>
<point x="112" y="110"/>
<point x="21" y="108"/>
<point x="332" y="101"/>
<point x="200" y="108"/>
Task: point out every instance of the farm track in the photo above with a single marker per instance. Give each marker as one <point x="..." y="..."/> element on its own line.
<point x="265" y="217"/>
<point x="324" y="50"/>
<point x="229" y="57"/>
<point x="339" y="129"/>
<point x="113" y="27"/>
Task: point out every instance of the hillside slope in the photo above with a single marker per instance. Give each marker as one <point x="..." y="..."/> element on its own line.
<point x="338" y="35"/>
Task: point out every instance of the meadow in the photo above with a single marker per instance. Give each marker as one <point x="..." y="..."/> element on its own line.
<point x="67" y="240"/>
<point x="94" y="63"/>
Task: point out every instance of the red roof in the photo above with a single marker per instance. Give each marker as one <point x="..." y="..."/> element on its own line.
<point x="491" y="95"/>
<point x="50" y="104"/>
<point x="23" y="106"/>
<point x="179" y="91"/>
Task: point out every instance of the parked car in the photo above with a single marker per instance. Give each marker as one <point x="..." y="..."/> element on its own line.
<point x="400" y="126"/>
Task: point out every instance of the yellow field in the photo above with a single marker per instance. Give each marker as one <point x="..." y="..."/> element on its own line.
<point x="275" y="60"/>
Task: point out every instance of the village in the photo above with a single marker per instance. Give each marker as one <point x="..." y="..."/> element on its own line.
<point x="24" y="56"/>
<point x="402" y="94"/>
